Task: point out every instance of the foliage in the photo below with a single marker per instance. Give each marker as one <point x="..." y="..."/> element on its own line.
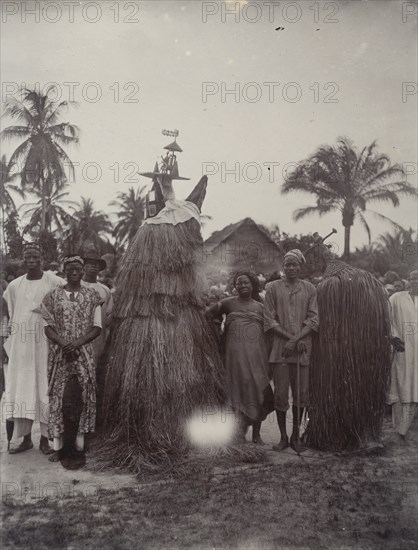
<point x="130" y="214"/>
<point x="6" y="199"/>
<point x="41" y="155"/>
<point x="49" y="246"/>
<point x="13" y="236"/>
<point x="343" y="180"/>
<point x="396" y="252"/>
<point x="87" y="224"/>
<point x="54" y="203"/>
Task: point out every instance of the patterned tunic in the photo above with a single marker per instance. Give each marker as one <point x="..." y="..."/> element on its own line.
<point x="71" y="320"/>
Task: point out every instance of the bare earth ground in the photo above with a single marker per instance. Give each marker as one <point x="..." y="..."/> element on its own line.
<point x="315" y="501"/>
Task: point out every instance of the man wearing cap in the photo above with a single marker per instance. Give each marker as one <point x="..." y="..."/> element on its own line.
<point x="93" y="264"/>
<point x="26" y="397"/>
<point x="72" y="317"/>
<point x="290" y="314"/>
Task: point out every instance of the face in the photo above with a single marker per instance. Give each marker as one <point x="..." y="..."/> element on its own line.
<point x="32" y="259"/>
<point x="413" y="283"/>
<point x="91" y="268"/>
<point x="74" y="272"/>
<point x="291" y="268"/>
<point x="243" y="286"/>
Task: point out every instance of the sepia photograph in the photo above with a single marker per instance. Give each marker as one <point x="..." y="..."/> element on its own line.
<point x="209" y="274"/>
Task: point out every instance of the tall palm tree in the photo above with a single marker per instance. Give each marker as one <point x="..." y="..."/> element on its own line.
<point x="344" y="180"/>
<point x="56" y="209"/>
<point x="130" y="214"/>
<point x="87" y="224"/>
<point x="41" y="155"/>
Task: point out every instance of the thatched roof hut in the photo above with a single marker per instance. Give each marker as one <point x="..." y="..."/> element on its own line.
<point x="241" y="245"/>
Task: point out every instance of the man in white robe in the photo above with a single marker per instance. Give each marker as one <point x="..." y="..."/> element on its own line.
<point x="26" y="399"/>
<point x="403" y="394"/>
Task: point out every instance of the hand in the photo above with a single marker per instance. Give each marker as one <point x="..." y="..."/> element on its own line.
<point x="289" y="348"/>
<point x="302" y="347"/>
<point x="398" y="344"/>
<point x="71" y="347"/>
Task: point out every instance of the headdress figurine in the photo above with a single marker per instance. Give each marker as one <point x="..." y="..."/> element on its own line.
<point x="162" y="176"/>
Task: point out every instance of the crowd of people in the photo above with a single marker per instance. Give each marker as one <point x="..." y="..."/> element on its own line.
<point x="55" y="327"/>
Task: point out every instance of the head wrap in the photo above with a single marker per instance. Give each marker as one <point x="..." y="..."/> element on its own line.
<point x="296" y="254"/>
<point x="31" y="246"/>
<point x="72" y="259"/>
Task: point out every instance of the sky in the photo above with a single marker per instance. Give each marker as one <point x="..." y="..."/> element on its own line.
<point x="299" y="75"/>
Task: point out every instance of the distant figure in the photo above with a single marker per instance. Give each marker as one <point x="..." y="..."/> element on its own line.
<point x="390" y="289"/>
<point x="93" y="264"/>
<point x="403" y="394"/>
<point x="399" y="286"/>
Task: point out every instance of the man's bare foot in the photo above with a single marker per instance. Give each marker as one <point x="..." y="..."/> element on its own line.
<point x="258" y="441"/>
<point x="24" y="446"/>
<point x="284" y="443"/>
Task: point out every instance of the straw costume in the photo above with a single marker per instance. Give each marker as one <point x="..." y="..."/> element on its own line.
<point x="163" y="362"/>
<point x="351" y="359"/>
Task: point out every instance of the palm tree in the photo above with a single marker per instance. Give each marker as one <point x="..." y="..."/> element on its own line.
<point x="130" y="214"/>
<point x="41" y="154"/>
<point x="345" y="181"/>
<point x="7" y="202"/>
<point x="56" y="209"/>
<point x="87" y="224"/>
<point x="392" y="243"/>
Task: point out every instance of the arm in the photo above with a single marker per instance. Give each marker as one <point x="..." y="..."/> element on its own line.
<point x="310" y="324"/>
<point x="270" y="322"/>
<point x="216" y="311"/>
<point x="52" y="335"/>
<point x="93" y="333"/>
<point x="109" y="309"/>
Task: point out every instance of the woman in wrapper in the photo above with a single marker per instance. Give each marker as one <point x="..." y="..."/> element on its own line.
<point x="245" y="356"/>
<point x="163" y="364"/>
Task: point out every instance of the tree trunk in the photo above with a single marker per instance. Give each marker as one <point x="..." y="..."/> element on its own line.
<point x="43" y="211"/>
<point x="347" y="230"/>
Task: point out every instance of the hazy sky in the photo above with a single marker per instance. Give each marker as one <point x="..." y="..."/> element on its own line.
<point x="140" y="67"/>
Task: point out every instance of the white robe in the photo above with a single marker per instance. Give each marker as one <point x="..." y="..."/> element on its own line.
<point x="26" y="391"/>
<point x="404" y="374"/>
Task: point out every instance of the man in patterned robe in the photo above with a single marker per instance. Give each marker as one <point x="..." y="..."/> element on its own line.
<point x="73" y="318"/>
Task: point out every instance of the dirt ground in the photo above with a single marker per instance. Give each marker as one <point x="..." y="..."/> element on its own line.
<point x="318" y="500"/>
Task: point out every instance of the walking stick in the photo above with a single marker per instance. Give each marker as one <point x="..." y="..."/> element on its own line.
<point x="298" y="398"/>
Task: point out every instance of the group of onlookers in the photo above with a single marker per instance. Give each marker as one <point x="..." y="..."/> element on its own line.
<point x="54" y="331"/>
<point x="268" y="337"/>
